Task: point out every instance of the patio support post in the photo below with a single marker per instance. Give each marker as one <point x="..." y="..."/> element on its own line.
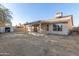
<point x="30" y="28"/>
<point x="40" y="27"/>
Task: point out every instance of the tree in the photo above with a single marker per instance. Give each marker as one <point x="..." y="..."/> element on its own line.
<point x="7" y="15"/>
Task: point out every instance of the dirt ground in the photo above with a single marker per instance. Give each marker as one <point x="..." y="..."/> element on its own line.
<point x="23" y="44"/>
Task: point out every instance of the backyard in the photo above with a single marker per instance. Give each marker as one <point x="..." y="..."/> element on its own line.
<point x="24" y="44"/>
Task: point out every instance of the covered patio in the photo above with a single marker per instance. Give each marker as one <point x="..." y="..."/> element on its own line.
<point x="40" y="26"/>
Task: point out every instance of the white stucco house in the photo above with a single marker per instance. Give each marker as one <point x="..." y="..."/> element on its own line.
<point x="58" y="25"/>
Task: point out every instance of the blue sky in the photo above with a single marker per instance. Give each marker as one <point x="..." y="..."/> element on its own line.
<point x="28" y="12"/>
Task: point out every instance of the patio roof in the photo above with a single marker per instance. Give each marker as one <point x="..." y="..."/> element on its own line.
<point x="54" y="20"/>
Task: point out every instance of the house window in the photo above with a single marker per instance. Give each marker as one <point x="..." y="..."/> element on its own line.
<point x="57" y="27"/>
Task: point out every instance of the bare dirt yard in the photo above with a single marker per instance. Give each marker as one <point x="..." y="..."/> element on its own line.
<point x="23" y="44"/>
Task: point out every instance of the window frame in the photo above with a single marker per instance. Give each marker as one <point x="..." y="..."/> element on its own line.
<point x="57" y="27"/>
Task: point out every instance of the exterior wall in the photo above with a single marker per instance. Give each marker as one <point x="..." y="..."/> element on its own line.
<point x="2" y="29"/>
<point x="11" y="29"/>
<point x="70" y="23"/>
<point x="66" y="26"/>
<point x="64" y="31"/>
<point x="10" y="26"/>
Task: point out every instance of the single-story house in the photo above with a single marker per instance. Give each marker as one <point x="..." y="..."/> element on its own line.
<point x="58" y="25"/>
